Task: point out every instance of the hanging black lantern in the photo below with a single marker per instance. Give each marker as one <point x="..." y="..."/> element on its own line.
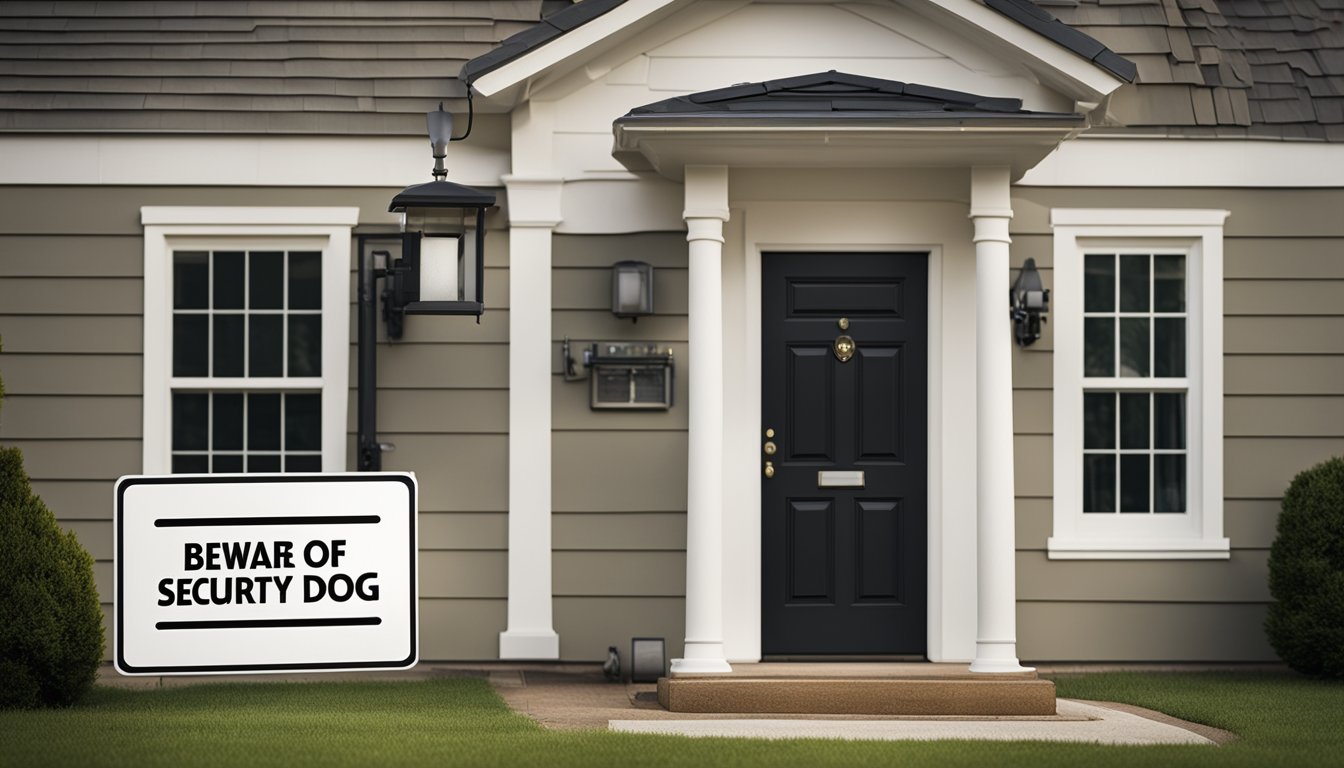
<point x="442" y="265"/>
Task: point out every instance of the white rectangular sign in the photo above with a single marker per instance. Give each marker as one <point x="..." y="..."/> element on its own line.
<point x="265" y="573"/>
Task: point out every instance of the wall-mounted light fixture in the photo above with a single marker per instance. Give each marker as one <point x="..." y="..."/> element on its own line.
<point x="1030" y="301"/>
<point x="441" y="270"/>
<point x="631" y="289"/>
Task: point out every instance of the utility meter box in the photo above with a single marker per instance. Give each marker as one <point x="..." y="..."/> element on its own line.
<point x="631" y="375"/>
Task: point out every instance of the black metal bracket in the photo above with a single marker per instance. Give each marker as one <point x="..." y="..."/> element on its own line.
<point x="369" y="450"/>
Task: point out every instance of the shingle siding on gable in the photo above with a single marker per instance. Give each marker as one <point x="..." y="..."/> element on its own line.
<point x="298" y="67"/>
<point x="1228" y="68"/>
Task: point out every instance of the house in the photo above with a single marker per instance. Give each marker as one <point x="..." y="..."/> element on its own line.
<point x="835" y="198"/>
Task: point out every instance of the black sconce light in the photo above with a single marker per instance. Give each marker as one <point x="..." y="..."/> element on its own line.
<point x="1030" y="301"/>
<point x="441" y="270"/>
<point x="631" y="289"/>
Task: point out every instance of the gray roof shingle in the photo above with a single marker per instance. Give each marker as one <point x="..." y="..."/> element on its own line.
<point x="1241" y="68"/>
<point x="840" y="95"/>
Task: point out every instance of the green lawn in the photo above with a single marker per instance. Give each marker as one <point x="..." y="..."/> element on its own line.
<point x="1282" y="719"/>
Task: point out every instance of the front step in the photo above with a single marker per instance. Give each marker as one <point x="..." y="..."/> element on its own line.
<point x="909" y="696"/>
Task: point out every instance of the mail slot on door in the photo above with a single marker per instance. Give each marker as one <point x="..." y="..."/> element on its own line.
<point x="840" y="478"/>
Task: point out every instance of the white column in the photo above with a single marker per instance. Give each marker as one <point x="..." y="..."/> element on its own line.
<point x="534" y="211"/>
<point x="996" y="595"/>
<point x="706" y="211"/>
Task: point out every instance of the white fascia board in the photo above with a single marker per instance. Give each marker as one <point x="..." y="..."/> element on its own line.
<point x="567" y="45"/>
<point x="1095" y="161"/>
<point x="1074" y="75"/>
<point x="262" y="161"/>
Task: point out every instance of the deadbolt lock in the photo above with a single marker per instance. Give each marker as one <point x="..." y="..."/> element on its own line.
<point x="769" y="469"/>
<point x="844" y="323"/>
<point x="769" y="448"/>
<point x="769" y="433"/>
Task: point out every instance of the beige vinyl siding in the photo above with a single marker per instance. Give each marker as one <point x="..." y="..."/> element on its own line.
<point x="1283" y="411"/>
<point x="70" y="357"/>
<point x="71" y="296"/>
<point x="443" y="401"/>
<point x="619" y="478"/>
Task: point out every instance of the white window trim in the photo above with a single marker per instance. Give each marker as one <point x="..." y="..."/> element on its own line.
<point x="1198" y="534"/>
<point x="168" y="227"/>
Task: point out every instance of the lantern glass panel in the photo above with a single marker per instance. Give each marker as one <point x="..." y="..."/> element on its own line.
<point x="440" y="269"/>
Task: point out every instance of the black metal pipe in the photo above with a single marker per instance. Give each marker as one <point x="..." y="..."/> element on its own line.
<point x="370" y="457"/>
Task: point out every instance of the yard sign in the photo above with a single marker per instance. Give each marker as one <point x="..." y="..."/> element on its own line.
<point x="265" y="573"/>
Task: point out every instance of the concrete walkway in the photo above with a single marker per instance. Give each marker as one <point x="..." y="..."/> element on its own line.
<point x="576" y="697"/>
<point x="1079" y="721"/>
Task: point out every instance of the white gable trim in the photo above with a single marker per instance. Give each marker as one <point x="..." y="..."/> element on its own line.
<point x="1082" y="80"/>
<point x="571" y="44"/>
<point x="1053" y="63"/>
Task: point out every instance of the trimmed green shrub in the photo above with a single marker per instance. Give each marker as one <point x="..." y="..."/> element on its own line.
<point x="51" y="628"/>
<point x="1306" y="573"/>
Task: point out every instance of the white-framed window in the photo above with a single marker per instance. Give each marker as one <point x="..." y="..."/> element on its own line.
<point x="246" y="338"/>
<point x="1138" y="384"/>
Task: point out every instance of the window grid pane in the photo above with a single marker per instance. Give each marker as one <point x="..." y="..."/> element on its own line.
<point x="1148" y="471"/>
<point x="237" y="334"/>
<point x="232" y="315"/>
<point x="1139" y="330"/>
<point x="291" y="419"/>
<point x="1135" y="325"/>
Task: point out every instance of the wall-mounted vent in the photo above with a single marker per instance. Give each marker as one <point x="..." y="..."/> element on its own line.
<point x="624" y="375"/>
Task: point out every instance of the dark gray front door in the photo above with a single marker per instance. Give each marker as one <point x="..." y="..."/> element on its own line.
<point x="844" y="568"/>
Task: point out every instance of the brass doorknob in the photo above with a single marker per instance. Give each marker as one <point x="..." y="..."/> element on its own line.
<point x="769" y="469"/>
<point x="769" y="448"/>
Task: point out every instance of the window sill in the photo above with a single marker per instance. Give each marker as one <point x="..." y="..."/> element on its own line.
<point x="1156" y="549"/>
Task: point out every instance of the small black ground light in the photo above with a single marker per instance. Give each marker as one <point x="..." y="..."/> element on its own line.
<point x="648" y="659"/>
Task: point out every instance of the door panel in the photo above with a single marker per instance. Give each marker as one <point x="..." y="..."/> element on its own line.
<point x="877" y="535"/>
<point x="880" y="428"/>
<point x="844" y="569"/>
<point x="811" y="532"/>
<point x="809" y="434"/>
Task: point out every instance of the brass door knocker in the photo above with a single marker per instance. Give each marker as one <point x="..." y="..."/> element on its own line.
<point x="844" y="348"/>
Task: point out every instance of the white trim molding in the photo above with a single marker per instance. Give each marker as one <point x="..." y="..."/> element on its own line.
<point x="939" y="229"/>
<point x="323" y="229"/>
<point x="1197" y="533"/>
<point x="253" y="161"/>
<point x="1113" y="161"/>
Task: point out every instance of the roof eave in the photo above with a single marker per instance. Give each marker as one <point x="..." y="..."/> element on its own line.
<point x="666" y="145"/>
<point x="1087" y="79"/>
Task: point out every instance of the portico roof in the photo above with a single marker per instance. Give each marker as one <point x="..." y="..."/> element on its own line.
<point x="837" y="119"/>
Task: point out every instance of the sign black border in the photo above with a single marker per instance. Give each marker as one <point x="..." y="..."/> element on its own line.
<point x="119" y="640"/>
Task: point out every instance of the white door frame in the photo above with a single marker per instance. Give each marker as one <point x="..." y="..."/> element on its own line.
<point x="942" y="230"/>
